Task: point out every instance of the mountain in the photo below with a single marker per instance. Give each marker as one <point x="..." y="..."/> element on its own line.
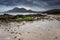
<point x="53" y="11"/>
<point x="17" y="10"/>
<point x="21" y="10"/>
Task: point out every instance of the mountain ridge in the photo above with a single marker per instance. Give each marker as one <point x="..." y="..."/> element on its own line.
<point x="16" y="9"/>
<point x="23" y="10"/>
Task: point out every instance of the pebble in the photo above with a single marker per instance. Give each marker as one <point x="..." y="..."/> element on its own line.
<point x="18" y="39"/>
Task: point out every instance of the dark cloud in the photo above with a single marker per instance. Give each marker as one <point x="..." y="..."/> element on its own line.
<point x="14" y="2"/>
<point x="38" y="4"/>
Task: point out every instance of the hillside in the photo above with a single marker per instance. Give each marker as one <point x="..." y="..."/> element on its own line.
<point x="54" y="11"/>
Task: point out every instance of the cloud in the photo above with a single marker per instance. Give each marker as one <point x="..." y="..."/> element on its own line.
<point x="30" y="4"/>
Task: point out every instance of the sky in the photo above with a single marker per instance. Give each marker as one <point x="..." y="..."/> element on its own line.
<point x="35" y="5"/>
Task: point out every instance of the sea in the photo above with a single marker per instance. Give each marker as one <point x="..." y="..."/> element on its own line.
<point x="19" y="13"/>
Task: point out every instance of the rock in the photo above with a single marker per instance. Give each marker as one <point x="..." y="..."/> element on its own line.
<point x="20" y="33"/>
<point x="7" y="30"/>
<point x="56" y="37"/>
<point x="15" y="37"/>
<point x="28" y="32"/>
<point x="18" y="39"/>
<point x="12" y="32"/>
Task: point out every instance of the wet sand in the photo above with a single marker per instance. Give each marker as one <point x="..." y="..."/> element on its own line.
<point x="36" y="30"/>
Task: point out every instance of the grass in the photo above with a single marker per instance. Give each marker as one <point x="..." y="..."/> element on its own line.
<point x="26" y="18"/>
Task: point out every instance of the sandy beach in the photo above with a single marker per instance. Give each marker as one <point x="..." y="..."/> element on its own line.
<point x="29" y="19"/>
<point x="35" y="30"/>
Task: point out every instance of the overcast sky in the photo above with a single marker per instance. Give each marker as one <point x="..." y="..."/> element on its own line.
<point x="36" y="5"/>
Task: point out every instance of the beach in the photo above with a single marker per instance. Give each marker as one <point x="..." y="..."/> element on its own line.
<point x="29" y="19"/>
<point x="34" y="30"/>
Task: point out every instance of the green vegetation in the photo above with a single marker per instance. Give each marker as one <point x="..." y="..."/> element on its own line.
<point x="25" y="18"/>
<point x="28" y="18"/>
<point x="7" y="17"/>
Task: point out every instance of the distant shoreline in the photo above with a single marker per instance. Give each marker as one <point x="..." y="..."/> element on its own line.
<point x="18" y="13"/>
